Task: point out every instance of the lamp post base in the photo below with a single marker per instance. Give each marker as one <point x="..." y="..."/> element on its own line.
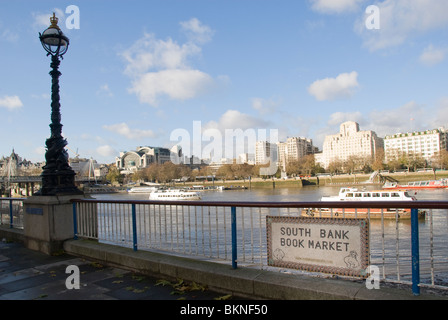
<point x="59" y="183"/>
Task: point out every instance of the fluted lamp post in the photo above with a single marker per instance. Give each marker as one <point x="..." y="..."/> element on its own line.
<point x="57" y="176"/>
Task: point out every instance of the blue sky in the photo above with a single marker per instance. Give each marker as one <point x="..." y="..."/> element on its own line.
<point x="137" y="70"/>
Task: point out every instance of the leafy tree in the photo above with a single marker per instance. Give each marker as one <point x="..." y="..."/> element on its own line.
<point x="335" y="166"/>
<point x="114" y="175"/>
<point x="440" y="160"/>
<point x="378" y="163"/>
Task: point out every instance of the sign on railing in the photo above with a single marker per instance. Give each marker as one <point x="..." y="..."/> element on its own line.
<point x="336" y="246"/>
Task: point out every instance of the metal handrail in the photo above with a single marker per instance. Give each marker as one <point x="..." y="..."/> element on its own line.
<point x="414" y="206"/>
<point x="418" y="204"/>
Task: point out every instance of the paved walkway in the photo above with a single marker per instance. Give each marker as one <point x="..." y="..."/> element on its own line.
<point x="31" y="275"/>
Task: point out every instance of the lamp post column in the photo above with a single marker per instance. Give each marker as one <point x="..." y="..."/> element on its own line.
<point x="48" y="214"/>
<point x="57" y="176"/>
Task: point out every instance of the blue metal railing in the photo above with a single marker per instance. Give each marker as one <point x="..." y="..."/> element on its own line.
<point x="11" y="212"/>
<point x="415" y="252"/>
<point x="163" y="224"/>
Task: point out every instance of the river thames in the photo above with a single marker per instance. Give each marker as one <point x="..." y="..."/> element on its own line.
<point x="389" y="241"/>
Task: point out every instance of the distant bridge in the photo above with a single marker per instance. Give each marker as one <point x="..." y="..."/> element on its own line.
<point x="29" y="184"/>
<point x="21" y="179"/>
<point x="38" y="179"/>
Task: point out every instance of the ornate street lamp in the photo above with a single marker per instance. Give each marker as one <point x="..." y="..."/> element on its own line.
<point x="57" y="176"/>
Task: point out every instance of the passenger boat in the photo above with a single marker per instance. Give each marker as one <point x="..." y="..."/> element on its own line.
<point x="174" y="194"/>
<point x="142" y="189"/>
<point x="356" y="195"/>
<point x="417" y="185"/>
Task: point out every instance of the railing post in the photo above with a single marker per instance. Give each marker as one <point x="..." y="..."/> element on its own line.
<point x="134" y="228"/>
<point x="75" y="222"/>
<point x="11" y="217"/>
<point x="415" y="253"/>
<point x="234" y="242"/>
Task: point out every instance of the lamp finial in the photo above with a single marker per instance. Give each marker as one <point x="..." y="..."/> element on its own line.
<point x="54" y="22"/>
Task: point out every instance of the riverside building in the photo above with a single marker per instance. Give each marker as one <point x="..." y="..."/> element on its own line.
<point x="349" y="142"/>
<point x="263" y="151"/>
<point x="422" y="143"/>
<point x="294" y="149"/>
<point x="142" y="157"/>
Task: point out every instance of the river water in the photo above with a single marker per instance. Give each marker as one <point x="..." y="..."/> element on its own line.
<point x="389" y="242"/>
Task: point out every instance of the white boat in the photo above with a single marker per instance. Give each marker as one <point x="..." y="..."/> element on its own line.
<point x="417" y="185"/>
<point x="142" y="189"/>
<point x="356" y="195"/>
<point x="174" y="194"/>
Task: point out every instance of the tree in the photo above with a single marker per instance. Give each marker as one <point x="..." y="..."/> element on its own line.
<point x="241" y="170"/>
<point x="440" y="160"/>
<point x="335" y="166"/>
<point x="168" y="172"/>
<point x="307" y="164"/>
<point x="151" y="173"/>
<point x="114" y="175"/>
<point x="225" y="172"/>
<point x="378" y="159"/>
<point x="352" y="163"/>
<point x="414" y="161"/>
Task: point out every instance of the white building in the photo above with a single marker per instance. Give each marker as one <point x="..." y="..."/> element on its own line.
<point x="263" y="151"/>
<point x="350" y="141"/>
<point x="294" y="149"/>
<point x="247" y="158"/>
<point x="142" y="157"/>
<point x="423" y="143"/>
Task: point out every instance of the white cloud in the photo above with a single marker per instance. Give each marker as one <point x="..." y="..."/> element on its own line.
<point x="162" y="68"/>
<point x="339" y="117"/>
<point x="150" y="53"/>
<point x="177" y="84"/>
<point x="264" y="106"/>
<point x="11" y="102"/>
<point x="408" y="117"/>
<point x="403" y="19"/>
<point x="387" y="121"/>
<point x="440" y="114"/>
<point x="432" y="56"/>
<point x="106" y="151"/>
<point x="104" y="90"/>
<point x="9" y="35"/>
<point x="196" y="31"/>
<point x="341" y="87"/>
<point x="40" y="150"/>
<point x="124" y="130"/>
<point x="335" y="6"/>
<point x="234" y="119"/>
<point x="232" y="134"/>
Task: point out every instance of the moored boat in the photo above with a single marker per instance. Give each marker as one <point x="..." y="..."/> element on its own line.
<point x="174" y="194"/>
<point x="142" y="189"/>
<point x="417" y="185"/>
<point x="356" y="195"/>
